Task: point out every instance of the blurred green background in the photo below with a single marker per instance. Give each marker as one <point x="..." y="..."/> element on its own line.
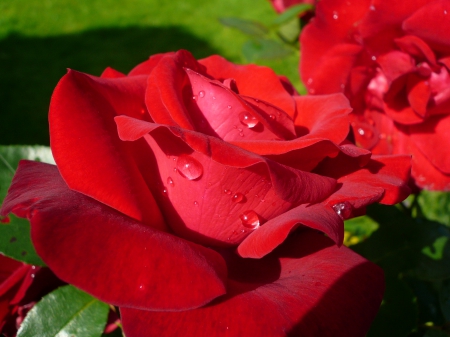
<point x="40" y="39"/>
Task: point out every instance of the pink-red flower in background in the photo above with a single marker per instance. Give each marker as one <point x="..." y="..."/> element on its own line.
<point x="191" y="195"/>
<point x="281" y="5"/>
<point x="392" y="61"/>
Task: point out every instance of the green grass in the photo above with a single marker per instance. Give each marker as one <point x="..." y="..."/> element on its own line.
<point x="39" y="39"/>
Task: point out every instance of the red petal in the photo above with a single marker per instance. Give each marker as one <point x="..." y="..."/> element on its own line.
<point x="395" y="64"/>
<point x="87" y="150"/>
<point x="432" y="138"/>
<point x="254" y="81"/>
<point x="107" y="254"/>
<point x="146" y="67"/>
<point x="419" y="93"/>
<point x="269" y="188"/>
<point x="307" y="288"/>
<point x="418" y="48"/>
<point x="324" y="116"/>
<point x="264" y="240"/>
<point x="111" y="73"/>
<point x="429" y="22"/>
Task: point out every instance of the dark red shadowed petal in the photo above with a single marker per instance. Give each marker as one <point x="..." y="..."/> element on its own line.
<point x="430" y="137"/>
<point x="146" y="67"/>
<point x="254" y="81"/>
<point x="111" y="73"/>
<point x="108" y="254"/>
<point x="209" y="212"/>
<point x="306" y="288"/>
<point x="429" y="22"/>
<point x="275" y="231"/>
<point x="89" y="154"/>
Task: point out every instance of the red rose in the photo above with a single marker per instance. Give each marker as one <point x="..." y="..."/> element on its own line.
<point x="21" y="286"/>
<point x="281" y="5"/>
<point x="177" y="186"/>
<point x="392" y="61"/>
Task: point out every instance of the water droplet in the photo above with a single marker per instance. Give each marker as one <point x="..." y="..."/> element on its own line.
<point x="189" y="167"/>
<point x="238" y="197"/>
<point x="242" y="230"/>
<point x="445" y="12"/>
<point x="372" y="7"/>
<point x="335" y="15"/>
<point x="33" y="275"/>
<point x="141" y="287"/>
<point x="366" y="133"/>
<point x="194" y="97"/>
<point x="241" y="134"/>
<point x="312" y="91"/>
<point x="170" y="181"/>
<point x="195" y="203"/>
<point x="374" y="58"/>
<point x="272" y="117"/>
<point x="250" y="219"/>
<point x="342" y="86"/>
<point x="248" y="119"/>
<point x="229" y="106"/>
<point x="343" y="209"/>
<point x="309" y="81"/>
<point x="214" y="97"/>
<point x="201" y="94"/>
<point x="165" y="190"/>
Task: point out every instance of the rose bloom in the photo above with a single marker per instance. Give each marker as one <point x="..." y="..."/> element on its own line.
<point x="392" y="61"/>
<point x="21" y="286"/>
<point x="193" y="195"/>
<point x="282" y="5"/>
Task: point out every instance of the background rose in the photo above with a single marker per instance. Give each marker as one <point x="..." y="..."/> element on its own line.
<point x="391" y="60"/>
<point x="21" y="286"/>
<point x="162" y="173"/>
<point x="281" y="5"/>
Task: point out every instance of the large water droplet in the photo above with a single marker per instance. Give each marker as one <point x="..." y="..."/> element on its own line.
<point x="343" y="209"/>
<point x="189" y="167"/>
<point x="170" y="182"/>
<point x="238" y="197"/>
<point x="201" y="94"/>
<point x="248" y="119"/>
<point x="250" y="219"/>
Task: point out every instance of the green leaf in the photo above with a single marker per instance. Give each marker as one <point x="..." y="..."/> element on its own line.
<point x="251" y="28"/>
<point x="398" y="311"/>
<point x="67" y="311"/>
<point x="15" y="241"/>
<point x="360" y="228"/>
<point x="290" y="30"/>
<point x="435" y="206"/>
<point x="11" y="155"/>
<point x="292" y="12"/>
<point x="264" y="49"/>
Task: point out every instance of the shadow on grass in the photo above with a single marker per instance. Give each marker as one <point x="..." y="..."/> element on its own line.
<point x="30" y="68"/>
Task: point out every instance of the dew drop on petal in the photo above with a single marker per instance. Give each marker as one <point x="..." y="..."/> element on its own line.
<point x="248" y="119"/>
<point x="195" y="203"/>
<point x="250" y="219"/>
<point x="445" y="12"/>
<point x="165" y="190"/>
<point x="189" y="167"/>
<point x="372" y="7"/>
<point x="229" y="106"/>
<point x="335" y="15"/>
<point x="214" y="97"/>
<point x="343" y="209"/>
<point x="272" y="117"/>
<point x="238" y="197"/>
<point x="374" y="58"/>
<point x="194" y="97"/>
<point x="170" y="182"/>
<point x="201" y="94"/>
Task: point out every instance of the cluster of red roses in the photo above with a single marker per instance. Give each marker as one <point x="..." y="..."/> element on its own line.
<point x="194" y="194"/>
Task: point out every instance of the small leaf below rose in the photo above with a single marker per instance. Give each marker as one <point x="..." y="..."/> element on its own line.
<point x="264" y="49"/>
<point x="67" y="311"/>
<point x="15" y="241"/>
